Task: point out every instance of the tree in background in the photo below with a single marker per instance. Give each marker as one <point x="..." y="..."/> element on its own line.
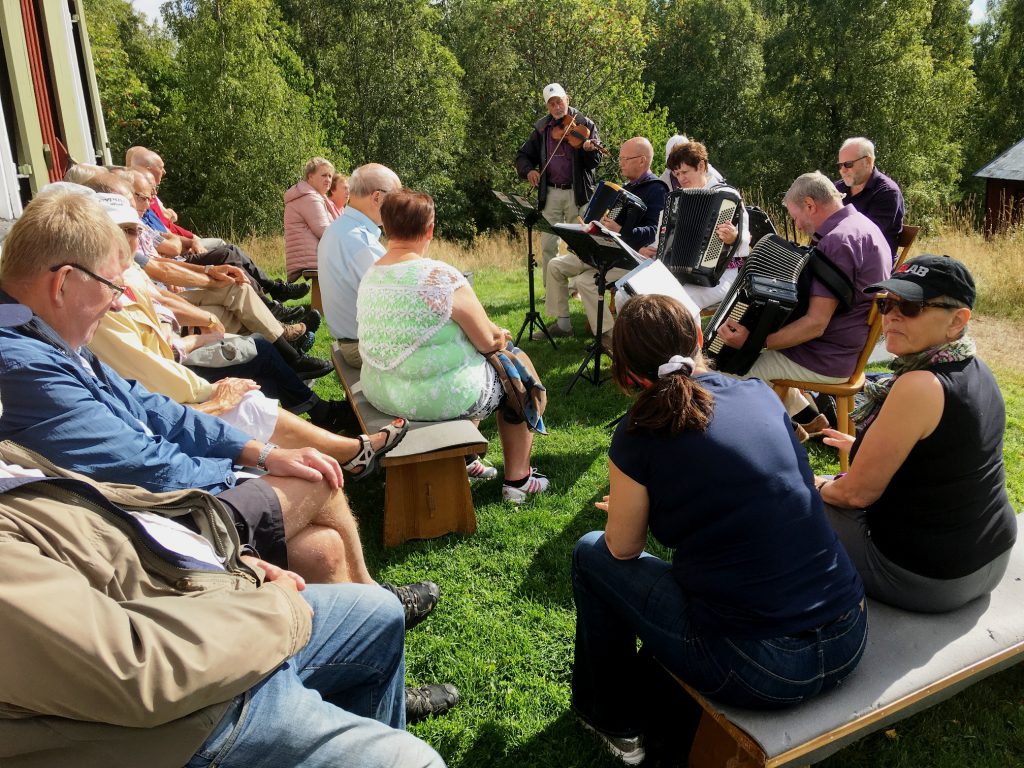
<point x="133" y="61"/>
<point x="239" y="124"/>
<point x="706" y="58"/>
<point x="866" y="67"/>
<point x="395" y="86"/>
<point x="510" y="49"/>
<point x="999" y="64"/>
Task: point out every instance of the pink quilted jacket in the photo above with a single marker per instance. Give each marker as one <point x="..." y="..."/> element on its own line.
<point x="306" y="216"/>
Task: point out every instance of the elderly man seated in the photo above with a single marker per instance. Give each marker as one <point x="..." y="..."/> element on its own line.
<point x="65" y="259"/>
<point x="139" y="631"/>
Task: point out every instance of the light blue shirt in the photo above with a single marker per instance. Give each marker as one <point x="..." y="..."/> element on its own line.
<point x="349" y="247"/>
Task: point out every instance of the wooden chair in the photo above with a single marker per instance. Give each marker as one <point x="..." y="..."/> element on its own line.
<point x="314" y="293"/>
<point x="845" y="392"/>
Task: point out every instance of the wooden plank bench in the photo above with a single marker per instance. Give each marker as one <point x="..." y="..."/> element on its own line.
<point x="912" y="661"/>
<point x="426" y="489"/>
<point x="310" y="276"/>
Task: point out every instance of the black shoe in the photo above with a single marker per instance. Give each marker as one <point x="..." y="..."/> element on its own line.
<point x="308" y="367"/>
<point x="335" y="416"/>
<point x="286" y="315"/>
<point x="312" y="320"/>
<point x="304" y="343"/>
<point x="427" y="700"/>
<point x="827" y="407"/>
<point x="417" y="599"/>
<point x="283" y="291"/>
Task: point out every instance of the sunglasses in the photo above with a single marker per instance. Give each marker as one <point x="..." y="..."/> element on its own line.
<point x="907" y="307"/>
<point x="117" y="289"/>
<point x="848" y="164"/>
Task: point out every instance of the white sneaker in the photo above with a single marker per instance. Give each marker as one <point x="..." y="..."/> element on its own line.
<point x="628" y="750"/>
<point x="536" y="483"/>
<point x="481" y="469"/>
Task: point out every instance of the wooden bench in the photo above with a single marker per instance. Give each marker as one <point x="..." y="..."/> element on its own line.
<point x="310" y="276"/>
<point x="426" y="488"/>
<point x="912" y="661"/>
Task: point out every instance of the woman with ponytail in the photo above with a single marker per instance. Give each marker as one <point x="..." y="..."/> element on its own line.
<point x="759" y="606"/>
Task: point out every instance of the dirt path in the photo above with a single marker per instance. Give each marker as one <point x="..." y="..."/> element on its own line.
<point x="1000" y="341"/>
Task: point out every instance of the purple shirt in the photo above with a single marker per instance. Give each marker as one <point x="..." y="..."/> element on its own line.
<point x="856" y="246"/>
<point x="881" y="201"/>
<point x="560" y="167"/>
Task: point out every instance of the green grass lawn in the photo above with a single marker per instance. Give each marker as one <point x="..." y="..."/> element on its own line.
<point x="503" y="630"/>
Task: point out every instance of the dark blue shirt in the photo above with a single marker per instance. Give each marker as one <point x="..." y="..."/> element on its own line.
<point x="752" y="547"/>
<point x="881" y="201"/>
<point x="653" y="192"/>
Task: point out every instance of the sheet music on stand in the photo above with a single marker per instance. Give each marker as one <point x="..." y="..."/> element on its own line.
<point x="653" y="277"/>
<point x="524" y="211"/>
<point x="602" y="249"/>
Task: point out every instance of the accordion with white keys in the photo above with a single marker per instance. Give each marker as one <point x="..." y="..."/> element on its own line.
<point x="761" y="299"/>
<point x="688" y="242"/>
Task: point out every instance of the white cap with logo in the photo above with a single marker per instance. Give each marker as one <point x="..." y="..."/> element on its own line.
<point x="553" y="89"/>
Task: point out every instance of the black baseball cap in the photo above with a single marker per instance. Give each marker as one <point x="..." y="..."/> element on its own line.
<point x="14" y="314"/>
<point x="929" y="276"/>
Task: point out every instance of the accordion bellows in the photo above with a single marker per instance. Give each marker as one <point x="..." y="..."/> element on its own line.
<point x="688" y="243"/>
<point x="761" y="299"/>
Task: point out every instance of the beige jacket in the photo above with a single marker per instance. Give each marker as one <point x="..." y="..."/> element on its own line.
<point x="113" y="656"/>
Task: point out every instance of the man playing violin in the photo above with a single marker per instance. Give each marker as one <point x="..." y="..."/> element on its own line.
<point x="563" y="171"/>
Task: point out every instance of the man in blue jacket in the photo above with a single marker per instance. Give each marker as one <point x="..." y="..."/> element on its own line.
<point x="64" y="259"/>
<point x="635" y="156"/>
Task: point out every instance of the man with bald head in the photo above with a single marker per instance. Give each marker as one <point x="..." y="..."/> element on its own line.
<point x="635" y="157"/>
<point x="869" y="190"/>
<point x="348" y="248"/>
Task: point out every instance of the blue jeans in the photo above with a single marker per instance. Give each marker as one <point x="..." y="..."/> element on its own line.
<point x="337" y="703"/>
<point x="618" y="601"/>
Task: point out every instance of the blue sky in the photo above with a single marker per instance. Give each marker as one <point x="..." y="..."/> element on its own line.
<point x="152" y="8"/>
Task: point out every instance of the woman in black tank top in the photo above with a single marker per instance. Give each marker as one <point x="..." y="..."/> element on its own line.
<point x="924" y="511"/>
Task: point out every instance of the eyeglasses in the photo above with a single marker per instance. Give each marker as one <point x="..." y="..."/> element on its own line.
<point x="627" y="159"/>
<point x="147" y="198"/>
<point x="130" y="231"/>
<point x="118" y="290"/>
<point x="908" y="308"/>
<point x="850" y="163"/>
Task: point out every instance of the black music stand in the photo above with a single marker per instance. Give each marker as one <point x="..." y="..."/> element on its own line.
<point x="529" y="217"/>
<point x="604" y="253"/>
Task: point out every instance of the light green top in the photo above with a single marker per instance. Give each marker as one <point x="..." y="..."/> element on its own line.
<point x="417" y="362"/>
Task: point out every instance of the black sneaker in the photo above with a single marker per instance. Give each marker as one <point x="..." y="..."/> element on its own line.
<point x="309" y="367"/>
<point x="428" y="700"/>
<point x="283" y="291"/>
<point x="312" y="320"/>
<point x="417" y="599"/>
<point x="286" y="315"/>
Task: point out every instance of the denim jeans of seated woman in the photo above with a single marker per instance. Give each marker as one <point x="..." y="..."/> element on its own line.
<point x="618" y="601"/>
<point x="338" y="703"/>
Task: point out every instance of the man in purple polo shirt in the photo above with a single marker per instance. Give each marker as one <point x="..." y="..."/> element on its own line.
<point x="823" y="345"/>
<point x="869" y="190"/>
<point x="569" y="176"/>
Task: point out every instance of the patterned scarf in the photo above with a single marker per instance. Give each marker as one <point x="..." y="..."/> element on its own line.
<point x="876" y="391"/>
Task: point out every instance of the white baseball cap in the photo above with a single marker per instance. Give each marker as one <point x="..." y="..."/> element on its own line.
<point x="553" y="89"/>
<point x="118" y="208"/>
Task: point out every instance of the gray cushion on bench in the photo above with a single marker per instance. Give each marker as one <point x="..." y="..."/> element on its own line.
<point x="423" y="436"/>
<point x="911" y="662"/>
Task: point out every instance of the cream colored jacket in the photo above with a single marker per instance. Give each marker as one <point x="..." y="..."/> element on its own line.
<point x="111" y="655"/>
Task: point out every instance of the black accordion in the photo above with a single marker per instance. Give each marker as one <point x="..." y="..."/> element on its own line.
<point x="618" y="204"/>
<point x="761" y="299"/>
<point x="687" y="241"/>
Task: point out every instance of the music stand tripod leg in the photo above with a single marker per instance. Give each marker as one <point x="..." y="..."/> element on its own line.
<point x="533" y="318"/>
<point x="595" y="350"/>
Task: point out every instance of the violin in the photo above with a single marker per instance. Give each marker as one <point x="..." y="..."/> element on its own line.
<point x="575" y="134"/>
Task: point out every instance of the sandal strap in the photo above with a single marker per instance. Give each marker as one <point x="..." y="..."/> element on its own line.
<point x="363" y="457"/>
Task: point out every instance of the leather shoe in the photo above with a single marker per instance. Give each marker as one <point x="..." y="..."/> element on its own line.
<point x="286" y="314"/>
<point x="312" y="320"/>
<point x="283" y="291"/>
<point x="815" y="426"/>
<point x="308" y="367"/>
<point x="556" y="333"/>
<point x="429" y="700"/>
<point x="417" y="599"/>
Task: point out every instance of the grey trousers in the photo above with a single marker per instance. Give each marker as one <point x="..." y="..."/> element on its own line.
<point x="889" y="583"/>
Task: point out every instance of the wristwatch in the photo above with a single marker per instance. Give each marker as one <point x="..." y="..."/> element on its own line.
<point x="261" y="461"/>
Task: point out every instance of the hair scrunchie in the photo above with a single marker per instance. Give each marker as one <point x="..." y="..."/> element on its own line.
<point x="674" y="364"/>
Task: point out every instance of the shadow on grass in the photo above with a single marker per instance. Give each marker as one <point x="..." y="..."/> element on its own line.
<point x="552" y="746"/>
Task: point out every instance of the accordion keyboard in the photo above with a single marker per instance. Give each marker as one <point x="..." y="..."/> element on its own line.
<point x="715" y="245"/>
<point x="736" y="314"/>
